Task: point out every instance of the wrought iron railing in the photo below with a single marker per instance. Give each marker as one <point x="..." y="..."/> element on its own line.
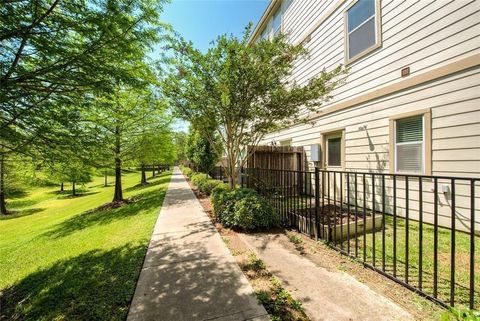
<point x="418" y="230"/>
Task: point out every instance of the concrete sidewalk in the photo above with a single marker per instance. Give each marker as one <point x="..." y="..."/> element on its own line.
<point x="327" y="295"/>
<point x="188" y="273"/>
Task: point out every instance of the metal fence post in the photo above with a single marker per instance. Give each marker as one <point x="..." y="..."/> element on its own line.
<point x="241" y="176"/>
<point x="317" y="201"/>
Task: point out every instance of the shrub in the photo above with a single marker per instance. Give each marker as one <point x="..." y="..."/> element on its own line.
<point x="227" y="213"/>
<point x="209" y="185"/>
<point x="252" y="212"/>
<point x="242" y="208"/>
<point x="186" y="171"/>
<point x="217" y="197"/>
<point x="199" y="179"/>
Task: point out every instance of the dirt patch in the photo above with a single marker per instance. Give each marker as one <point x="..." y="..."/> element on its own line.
<point x="112" y="205"/>
<point x="333" y="215"/>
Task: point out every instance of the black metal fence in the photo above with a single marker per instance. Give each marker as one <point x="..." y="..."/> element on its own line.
<point x="156" y="168"/>
<point x="418" y="230"/>
<point x="218" y="172"/>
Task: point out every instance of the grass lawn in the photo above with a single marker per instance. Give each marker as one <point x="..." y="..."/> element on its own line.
<point x="61" y="258"/>
<point x="462" y="258"/>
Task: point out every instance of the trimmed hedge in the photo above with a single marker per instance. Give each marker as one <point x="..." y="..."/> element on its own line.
<point x="208" y="186"/>
<point x="186" y="171"/>
<point x="204" y="183"/>
<point x="199" y="180"/>
<point x="243" y="208"/>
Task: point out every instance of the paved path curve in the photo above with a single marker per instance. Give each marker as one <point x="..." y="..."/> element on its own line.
<point x="188" y="273"/>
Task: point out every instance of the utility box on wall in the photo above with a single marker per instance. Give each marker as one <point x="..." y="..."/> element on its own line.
<point x="315" y="153"/>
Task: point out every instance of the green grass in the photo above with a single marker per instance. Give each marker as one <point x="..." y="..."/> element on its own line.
<point x="462" y="255"/>
<point x="63" y="259"/>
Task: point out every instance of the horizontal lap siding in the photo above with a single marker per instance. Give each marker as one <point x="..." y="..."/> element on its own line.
<point x="454" y="103"/>
<point x="422" y="35"/>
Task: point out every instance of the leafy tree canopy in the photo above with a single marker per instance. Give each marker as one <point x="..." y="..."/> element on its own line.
<point x="243" y="90"/>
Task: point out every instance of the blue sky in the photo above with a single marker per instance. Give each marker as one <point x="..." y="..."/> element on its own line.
<point x="201" y="21"/>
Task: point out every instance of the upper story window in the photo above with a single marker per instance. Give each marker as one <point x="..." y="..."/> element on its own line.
<point x="277" y="21"/>
<point x="273" y="25"/>
<point x="363" y="29"/>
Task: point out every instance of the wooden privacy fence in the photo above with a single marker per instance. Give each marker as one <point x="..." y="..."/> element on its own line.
<point x="276" y="157"/>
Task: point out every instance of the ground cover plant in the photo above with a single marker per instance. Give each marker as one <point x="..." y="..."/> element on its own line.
<point x="66" y="258"/>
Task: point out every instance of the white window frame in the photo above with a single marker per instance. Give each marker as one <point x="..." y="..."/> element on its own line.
<point x="409" y="143"/>
<point x="327" y="138"/>
<point x="378" y="32"/>
<point x="270" y="33"/>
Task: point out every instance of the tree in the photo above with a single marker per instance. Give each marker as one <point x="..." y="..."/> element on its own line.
<point x="121" y="119"/>
<point x="243" y="90"/>
<point x="201" y="151"/>
<point x="180" y="141"/>
<point x="154" y="147"/>
<point x="55" y="53"/>
<point x="73" y="170"/>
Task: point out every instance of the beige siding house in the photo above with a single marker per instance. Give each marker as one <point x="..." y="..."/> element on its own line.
<point x="411" y="100"/>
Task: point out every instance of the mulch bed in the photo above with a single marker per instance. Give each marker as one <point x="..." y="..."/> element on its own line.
<point x="331" y="214"/>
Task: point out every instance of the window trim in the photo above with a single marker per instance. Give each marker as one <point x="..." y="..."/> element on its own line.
<point x="427" y="141"/>
<point x="339" y="132"/>
<point x="378" y="32"/>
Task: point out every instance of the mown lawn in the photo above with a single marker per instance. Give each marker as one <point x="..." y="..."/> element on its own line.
<point x="61" y="258"/>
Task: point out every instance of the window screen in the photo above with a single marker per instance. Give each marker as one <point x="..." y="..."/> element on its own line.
<point x="334" y="157"/>
<point x="361" y="29"/>
<point x="409" y="144"/>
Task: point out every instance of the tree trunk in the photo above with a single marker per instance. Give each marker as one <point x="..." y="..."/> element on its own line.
<point x="3" y="206"/>
<point x="231" y="169"/>
<point x="153" y="171"/>
<point x="118" y="194"/>
<point x="73" y="189"/>
<point x="62" y="188"/>
<point x="106" y="181"/>
<point x="144" y="176"/>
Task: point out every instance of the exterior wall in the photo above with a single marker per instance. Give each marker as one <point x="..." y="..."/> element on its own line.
<point x="426" y="36"/>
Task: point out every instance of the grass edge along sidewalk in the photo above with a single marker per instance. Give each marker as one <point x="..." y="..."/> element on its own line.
<point x="74" y="260"/>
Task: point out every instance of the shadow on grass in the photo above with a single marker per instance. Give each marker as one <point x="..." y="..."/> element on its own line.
<point x="103" y="216"/>
<point x="13" y="214"/>
<point x="157" y="181"/>
<point x="97" y="285"/>
<point x="16" y="192"/>
<point x="79" y="194"/>
<point x="22" y="203"/>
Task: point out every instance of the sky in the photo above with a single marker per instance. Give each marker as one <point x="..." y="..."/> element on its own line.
<point x="201" y="21"/>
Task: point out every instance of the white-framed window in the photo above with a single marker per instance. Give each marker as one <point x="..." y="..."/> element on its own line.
<point x="362" y="28"/>
<point x="334" y="150"/>
<point x="410" y="144"/>
<point x="273" y="26"/>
